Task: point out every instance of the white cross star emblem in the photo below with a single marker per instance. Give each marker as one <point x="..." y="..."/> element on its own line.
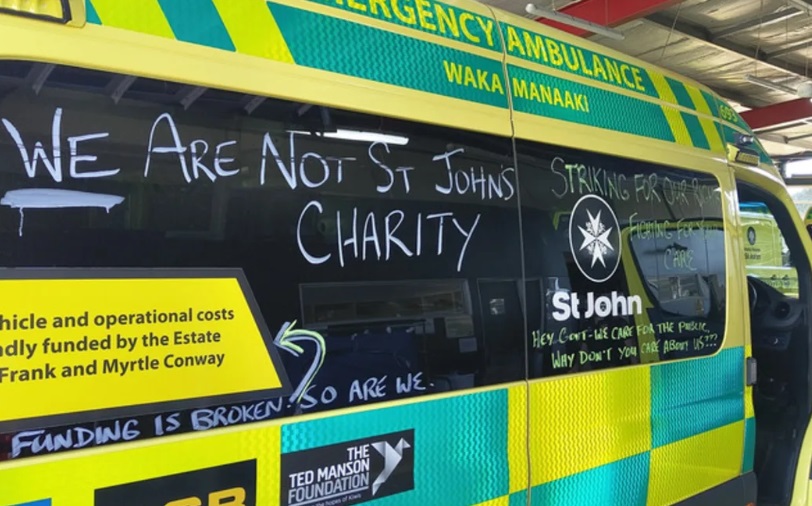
<point x="596" y="239"/>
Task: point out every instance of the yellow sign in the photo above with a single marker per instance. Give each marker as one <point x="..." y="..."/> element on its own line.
<point x="78" y="341"/>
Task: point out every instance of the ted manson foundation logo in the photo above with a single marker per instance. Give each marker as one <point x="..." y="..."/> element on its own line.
<point x="349" y="473"/>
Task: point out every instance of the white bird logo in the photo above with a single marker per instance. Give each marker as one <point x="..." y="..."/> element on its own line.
<point x="391" y="459"/>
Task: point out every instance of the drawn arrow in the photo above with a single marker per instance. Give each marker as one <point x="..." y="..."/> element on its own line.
<point x="287" y="339"/>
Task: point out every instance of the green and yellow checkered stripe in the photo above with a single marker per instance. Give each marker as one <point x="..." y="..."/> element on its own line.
<point x="668" y="110"/>
<point x="614" y="437"/>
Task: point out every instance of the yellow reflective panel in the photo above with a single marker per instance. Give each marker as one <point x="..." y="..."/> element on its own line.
<point x="584" y="421"/>
<point x="701" y="462"/>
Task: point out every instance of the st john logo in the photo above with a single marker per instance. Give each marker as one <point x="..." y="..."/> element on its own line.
<point x="751" y="236"/>
<point x="595" y="246"/>
<point x="595" y="238"/>
<point x="349" y="473"/>
<point x="227" y="485"/>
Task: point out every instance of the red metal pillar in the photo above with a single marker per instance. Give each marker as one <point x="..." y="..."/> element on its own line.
<point x="608" y="12"/>
<point x="779" y="114"/>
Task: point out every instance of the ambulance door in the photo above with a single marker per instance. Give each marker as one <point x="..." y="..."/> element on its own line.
<point x="781" y="336"/>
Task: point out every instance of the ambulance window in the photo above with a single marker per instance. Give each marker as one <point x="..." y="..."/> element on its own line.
<point x="766" y="253"/>
<point x="633" y="265"/>
<point x="395" y="243"/>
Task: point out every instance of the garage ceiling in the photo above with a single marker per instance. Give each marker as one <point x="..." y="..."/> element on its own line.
<point x="722" y="44"/>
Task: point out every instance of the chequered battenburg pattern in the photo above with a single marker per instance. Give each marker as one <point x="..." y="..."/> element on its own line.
<point x="673" y="111"/>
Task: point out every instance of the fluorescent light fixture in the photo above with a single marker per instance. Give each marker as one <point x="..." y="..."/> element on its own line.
<point x="798" y="168"/>
<point x="566" y="19"/>
<point x="361" y="136"/>
<point x="771" y="85"/>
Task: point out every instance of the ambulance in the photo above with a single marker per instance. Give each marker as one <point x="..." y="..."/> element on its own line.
<point x="400" y="252"/>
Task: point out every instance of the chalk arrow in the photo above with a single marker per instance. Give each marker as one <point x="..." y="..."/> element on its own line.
<point x="288" y="339"/>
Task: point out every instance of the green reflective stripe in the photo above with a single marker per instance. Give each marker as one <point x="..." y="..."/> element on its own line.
<point x="197" y="22"/>
<point x="698" y="138"/>
<point x="420" y="66"/>
<point x="338" y="45"/>
<point x="608" y="110"/>
<point x="428" y="16"/>
<point x="518" y="498"/>
<point x="729" y="134"/>
<point x="681" y="93"/>
<point x="749" y="445"/>
<point x="444" y="20"/>
<point x="677" y="125"/>
<point x="556" y="54"/>
<point x="724" y="112"/>
<point x="92" y="15"/>
<point x="452" y="470"/>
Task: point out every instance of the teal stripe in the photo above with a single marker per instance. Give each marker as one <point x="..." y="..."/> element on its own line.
<point x="386" y="57"/>
<point x="697" y="395"/>
<point x="460" y="448"/>
<point x="698" y="138"/>
<point x="623" y="482"/>
<point x="518" y="498"/>
<point x="681" y="93"/>
<point x="737" y="119"/>
<point x="197" y="22"/>
<point x="713" y="105"/>
<point x="557" y="54"/>
<point x="749" y="445"/>
<point x="481" y="31"/>
<point x="606" y="109"/>
<point x="92" y="15"/>
<point x="731" y="115"/>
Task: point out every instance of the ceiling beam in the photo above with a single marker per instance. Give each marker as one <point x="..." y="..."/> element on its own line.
<point x="608" y="12"/>
<point x="769" y="19"/>
<point x="790" y="49"/>
<point x="775" y="115"/>
<point x="704" y="35"/>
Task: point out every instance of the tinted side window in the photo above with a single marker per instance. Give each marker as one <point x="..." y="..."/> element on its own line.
<point x="629" y="259"/>
<point x="396" y="242"/>
<point x="766" y="253"/>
